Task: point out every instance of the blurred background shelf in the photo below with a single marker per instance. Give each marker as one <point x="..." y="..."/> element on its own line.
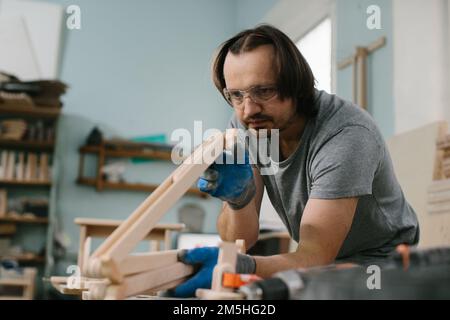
<point x="26" y="145"/>
<point x="25" y="183"/>
<point x="20" y="219"/>
<point x="29" y="112"/>
<point x="132" y="186"/>
<point x="142" y="154"/>
<point x="26" y="280"/>
<point x="124" y="149"/>
<point x="26" y="258"/>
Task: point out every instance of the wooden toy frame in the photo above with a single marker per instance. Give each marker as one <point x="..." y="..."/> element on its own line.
<point x="111" y="272"/>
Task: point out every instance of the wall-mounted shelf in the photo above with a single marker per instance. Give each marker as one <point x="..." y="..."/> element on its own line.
<point x="29" y="112"/>
<point x="132" y="186"/>
<point x="144" y="154"/>
<point x="25" y="183"/>
<point x="124" y="149"/>
<point x="21" y="219"/>
<point x="26" y="145"/>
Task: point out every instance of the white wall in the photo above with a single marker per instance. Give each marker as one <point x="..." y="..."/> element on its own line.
<point x="421" y="83"/>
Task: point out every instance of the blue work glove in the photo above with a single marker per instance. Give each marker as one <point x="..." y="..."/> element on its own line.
<point x="206" y="259"/>
<point x="231" y="181"/>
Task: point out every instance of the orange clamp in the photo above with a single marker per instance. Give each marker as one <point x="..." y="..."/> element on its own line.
<point x="236" y="280"/>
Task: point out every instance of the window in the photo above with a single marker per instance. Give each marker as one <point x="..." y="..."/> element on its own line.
<point x="315" y="46"/>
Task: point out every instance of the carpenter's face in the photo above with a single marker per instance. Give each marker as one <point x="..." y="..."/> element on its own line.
<point x="255" y="73"/>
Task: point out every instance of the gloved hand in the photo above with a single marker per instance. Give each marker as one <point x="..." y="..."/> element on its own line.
<point x="230" y="180"/>
<point x="206" y="259"/>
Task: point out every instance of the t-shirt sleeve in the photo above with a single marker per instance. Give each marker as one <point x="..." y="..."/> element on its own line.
<point x="345" y="165"/>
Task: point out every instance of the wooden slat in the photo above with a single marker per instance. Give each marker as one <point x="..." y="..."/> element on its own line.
<point x="148" y="281"/>
<point x="147" y="261"/>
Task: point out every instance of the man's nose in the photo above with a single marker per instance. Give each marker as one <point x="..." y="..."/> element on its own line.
<point x="250" y="107"/>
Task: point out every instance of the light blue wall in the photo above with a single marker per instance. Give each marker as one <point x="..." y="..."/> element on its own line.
<point x="143" y="66"/>
<point x="352" y="31"/>
<point x="251" y="12"/>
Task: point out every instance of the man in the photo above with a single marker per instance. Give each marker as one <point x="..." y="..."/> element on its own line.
<point x="335" y="188"/>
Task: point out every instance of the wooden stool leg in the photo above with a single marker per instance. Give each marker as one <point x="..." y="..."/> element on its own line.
<point x="81" y="248"/>
<point x="86" y="253"/>
<point x="167" y="240"/>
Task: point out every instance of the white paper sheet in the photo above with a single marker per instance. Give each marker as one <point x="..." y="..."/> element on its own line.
<point x="16" y="52"/>
<point x="44" y="25"/>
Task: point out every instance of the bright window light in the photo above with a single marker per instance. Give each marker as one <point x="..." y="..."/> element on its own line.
<point x="315" y="46"/>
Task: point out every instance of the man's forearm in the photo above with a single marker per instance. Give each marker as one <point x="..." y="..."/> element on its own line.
<point x="304" y="257"/>
<point x="239" y="224"/>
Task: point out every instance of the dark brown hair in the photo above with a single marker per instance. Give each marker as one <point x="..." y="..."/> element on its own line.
<point x="295" y="79"/>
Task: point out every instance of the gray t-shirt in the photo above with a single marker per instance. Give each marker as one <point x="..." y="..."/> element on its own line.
<point x="342" y="154"/>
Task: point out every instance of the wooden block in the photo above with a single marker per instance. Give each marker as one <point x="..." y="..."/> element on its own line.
<point x="226" y="262"/>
